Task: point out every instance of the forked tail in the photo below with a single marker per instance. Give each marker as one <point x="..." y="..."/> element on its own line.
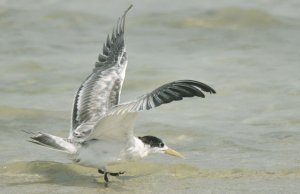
<point x="52" y="142"/>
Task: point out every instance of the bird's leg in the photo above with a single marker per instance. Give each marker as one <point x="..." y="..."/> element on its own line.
<point x="106" y="177"/>
<point x="101" y="171"/>
<point x="109" y="173"/>
<point x="105" y="174"/>
<point x="115" y="173"/>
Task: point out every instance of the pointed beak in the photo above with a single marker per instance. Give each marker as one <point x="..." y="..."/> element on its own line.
<point x="172" y="152"/>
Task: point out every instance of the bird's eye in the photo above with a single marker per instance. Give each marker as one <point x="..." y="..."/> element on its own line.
<point x="161" y="145"/>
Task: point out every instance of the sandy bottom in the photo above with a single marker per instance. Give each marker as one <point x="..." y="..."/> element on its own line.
<point x="50" y="177"/>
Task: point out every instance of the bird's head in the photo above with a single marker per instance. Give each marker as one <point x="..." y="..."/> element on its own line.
<point x="156" y="145"/>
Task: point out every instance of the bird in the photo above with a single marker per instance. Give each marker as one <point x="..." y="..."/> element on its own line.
<point x="102" y="127"/>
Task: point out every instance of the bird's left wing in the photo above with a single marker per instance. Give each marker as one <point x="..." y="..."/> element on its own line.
<point x="101" y="90"/>
<point x="119" y="121"/>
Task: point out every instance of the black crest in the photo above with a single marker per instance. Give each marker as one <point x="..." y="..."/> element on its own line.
<point x="152" y="141"/>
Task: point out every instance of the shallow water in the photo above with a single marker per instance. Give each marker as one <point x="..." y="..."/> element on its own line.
<point x="244" y="139"/>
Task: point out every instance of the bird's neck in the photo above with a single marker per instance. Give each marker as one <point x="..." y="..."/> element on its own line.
<point x="137" y="149"/>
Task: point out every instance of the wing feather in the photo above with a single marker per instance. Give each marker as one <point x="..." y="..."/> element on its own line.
<point x="101" y="89"/>
<point x="119" y="122"/>
<point x="167" y="93"/>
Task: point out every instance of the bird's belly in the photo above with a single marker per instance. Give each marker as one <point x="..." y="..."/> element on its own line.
<point x="98" y="153"/>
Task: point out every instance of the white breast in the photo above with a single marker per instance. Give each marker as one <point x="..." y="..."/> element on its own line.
<point x="99" y="153"/>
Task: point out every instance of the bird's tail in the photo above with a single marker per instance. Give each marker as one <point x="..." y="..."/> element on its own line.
<point x="52" y="142"/>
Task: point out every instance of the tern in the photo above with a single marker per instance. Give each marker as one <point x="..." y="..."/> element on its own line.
<point x="101" y="127"/>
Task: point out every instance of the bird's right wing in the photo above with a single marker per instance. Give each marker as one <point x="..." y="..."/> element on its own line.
<point x="119" y="122"/>
<point x="167" y="93"/>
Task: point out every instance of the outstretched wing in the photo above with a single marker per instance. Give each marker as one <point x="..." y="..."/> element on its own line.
<point x="119" y="121"/>
<point x="167" y="93"/>
<point x="101" y="90"/>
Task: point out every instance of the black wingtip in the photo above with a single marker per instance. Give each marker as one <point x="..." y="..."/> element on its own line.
<point x="35" y="142"/>
<point x="130" y="6"/>
<point x="212" y="91"/>
<point x="201" y="85"/>
<point x="28" y="132"/>
<point x="122" y="23"/>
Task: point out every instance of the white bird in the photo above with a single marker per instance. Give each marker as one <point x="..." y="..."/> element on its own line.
<point x="102" y="127"/>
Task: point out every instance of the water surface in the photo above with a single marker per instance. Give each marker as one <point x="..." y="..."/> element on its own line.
<point x="244" y="139"/>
